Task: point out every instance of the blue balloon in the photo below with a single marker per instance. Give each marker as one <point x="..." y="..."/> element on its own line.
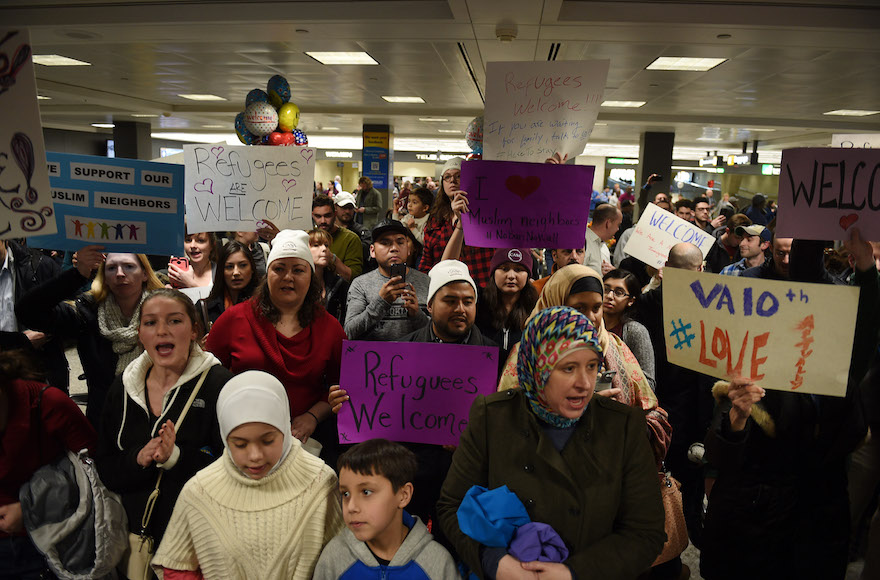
<point x="279" y="91"/>
<point x="244" y="135"/>
<point x="256" y="96"/>
<point x="478" y="150"/>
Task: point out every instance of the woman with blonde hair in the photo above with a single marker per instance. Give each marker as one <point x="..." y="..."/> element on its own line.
<point x="103" y="321"/>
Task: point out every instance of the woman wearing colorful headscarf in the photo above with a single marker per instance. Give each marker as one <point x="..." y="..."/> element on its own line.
<point x="582" y="289"/>
<point x="578" y="463"/>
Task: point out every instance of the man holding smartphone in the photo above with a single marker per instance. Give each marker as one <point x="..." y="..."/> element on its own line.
<point x="391" y="301"/>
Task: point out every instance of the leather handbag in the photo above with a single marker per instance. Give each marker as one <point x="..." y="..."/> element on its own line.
<point x="141" y="546"/>
<point x="675" y="526"/>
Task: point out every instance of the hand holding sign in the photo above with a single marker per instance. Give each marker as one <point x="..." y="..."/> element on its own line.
<point x="88" y="259"/>
<point x="861" y="250"/>
<point x="742" y="393"/>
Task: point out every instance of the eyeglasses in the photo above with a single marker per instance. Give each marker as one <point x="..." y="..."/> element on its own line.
<point x="452" y="177"/>
<point x="618" y="293"/>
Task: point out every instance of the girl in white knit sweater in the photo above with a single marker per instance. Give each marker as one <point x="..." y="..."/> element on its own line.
<point x="265" y="509"/>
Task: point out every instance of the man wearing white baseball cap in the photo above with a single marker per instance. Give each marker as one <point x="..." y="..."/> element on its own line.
<point x="346" y="207"/>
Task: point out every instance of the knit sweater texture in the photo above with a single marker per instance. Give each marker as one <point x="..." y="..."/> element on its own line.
<point x="419" y="557"/>
<point x="370" y="317"/>
<point x="230" y="526"/>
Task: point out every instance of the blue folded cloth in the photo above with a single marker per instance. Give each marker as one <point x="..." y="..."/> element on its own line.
<point x="537" y="541"/>
<point x="491" y="517"/>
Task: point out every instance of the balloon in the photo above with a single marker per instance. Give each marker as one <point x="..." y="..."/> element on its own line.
<point x="264" y="140"/>
<point x="474" y="133"/>
<point x="256" y="96"/>
<point x="244" y="135"/>
<point x="288" y="117"/>
<point x="473" y="157"/>
<point x="300" y="138"/>
<point x="278" y="138"/>
<point x="260" y="118"/>
<point x="478" y="150"/>
<point x="279" y="91"/>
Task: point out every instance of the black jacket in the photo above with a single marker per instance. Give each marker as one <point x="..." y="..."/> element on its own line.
<point x="44" y="308"/>
<point x="33" y="268"/>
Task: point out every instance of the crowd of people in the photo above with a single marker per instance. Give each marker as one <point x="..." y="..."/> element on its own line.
<point x="214" y="388"/>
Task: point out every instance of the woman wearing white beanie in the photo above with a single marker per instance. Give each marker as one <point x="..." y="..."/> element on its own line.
<point x="266" y="508"/>
<point x="285" y="331"/>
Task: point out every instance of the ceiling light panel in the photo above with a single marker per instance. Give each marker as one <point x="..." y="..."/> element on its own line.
<point x="201" y="97"/>
<point x="338" y="58"/>
<point x="851" y="113"/>
<point x="58" y="60"/>
<point x="624" y="104"/>
<point x="404" y="99"/>
<point x="685" y="63"/>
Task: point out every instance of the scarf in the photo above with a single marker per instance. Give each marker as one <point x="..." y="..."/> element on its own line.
<point x="122" y="333"/>
<point x="550" y="336"/>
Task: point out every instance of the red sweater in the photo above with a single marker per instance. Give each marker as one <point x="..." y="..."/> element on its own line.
<point x="306" y="364"/>
<point x="31" y="441"/>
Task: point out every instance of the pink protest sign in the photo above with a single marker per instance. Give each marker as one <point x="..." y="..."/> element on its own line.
<point x="826" y="191"/>
<point x="411" y="391"/>
<point x="532" y="205"/>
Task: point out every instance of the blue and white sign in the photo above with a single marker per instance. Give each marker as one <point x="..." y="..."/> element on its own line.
<point x="125" y="205"/>
<point x="658" y="230"/>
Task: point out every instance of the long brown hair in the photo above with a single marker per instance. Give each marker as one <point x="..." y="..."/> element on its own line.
<point x="263" y="305"/>
<point x="522" y="308"/>
<point x="441" y="209"/>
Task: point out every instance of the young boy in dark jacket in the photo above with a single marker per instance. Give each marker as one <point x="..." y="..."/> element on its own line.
<point x="381" y="539"/>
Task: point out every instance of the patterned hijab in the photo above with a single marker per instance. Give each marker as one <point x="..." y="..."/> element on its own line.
<point x="551" y="335"/>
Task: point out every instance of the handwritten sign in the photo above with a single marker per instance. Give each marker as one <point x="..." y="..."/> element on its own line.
<point x="857" y="140"/>
<point x="125" y="205"/>
<point x="26" y="207"/>
<point x="825" y="191"/>
<point x="536" y="109"/>
<point x="408" y="391"/>
<point x="782" y="335"/>
<point x="232" y="188"/>
<point x="658" y="230"/>
<point x="518" y="204"/>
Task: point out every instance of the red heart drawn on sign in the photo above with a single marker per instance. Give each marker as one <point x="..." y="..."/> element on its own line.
<point x="848" y="220"/>
<point x="287" y="184"/>
<point x="307" y="154"/>
<point x="205" y="186"/>
<point x="522" y="187"/>
<point x="217" y="151"/>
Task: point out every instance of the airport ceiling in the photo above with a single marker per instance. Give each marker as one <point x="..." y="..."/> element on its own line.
<point x="789" y="62"/>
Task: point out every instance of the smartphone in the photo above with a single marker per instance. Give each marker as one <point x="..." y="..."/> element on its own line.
<point x="399" y="270"/>
<point x="181" y="263"/>
<point x="603" y="382"/>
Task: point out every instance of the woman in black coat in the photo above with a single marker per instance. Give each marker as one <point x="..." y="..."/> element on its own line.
<point x="234" y="282"/>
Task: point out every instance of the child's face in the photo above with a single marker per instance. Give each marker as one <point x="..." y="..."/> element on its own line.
<point x="370" y="506"/>
<point x="255" y="448"/>
<point x="415" y="207"/>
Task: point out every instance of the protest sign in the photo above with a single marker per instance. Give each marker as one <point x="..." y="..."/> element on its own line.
<point x="409" y="391"/>
<point x="658" y="230"/>
<point x="233" y="188"/>
<point x="536" y="109"/>
<point x="125" y="205"/>
<point x="782" y="335"/>
<point x="514" y="204"/>
<point x="825" y="191"/>
<point x="26" y="206"/>
<point x="857" y="140"/>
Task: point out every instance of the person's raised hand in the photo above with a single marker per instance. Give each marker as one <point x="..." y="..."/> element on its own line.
<point x="88" y="259"/>
<point x="145" y="455"/>
<point x="182" y="278"/>
<point x="719" y="221"/>
<point x="459" y="204"/>
<point x="336" y="397"/>
<point x="509" y="568"/>
<point x="267" y="230"/>
<point x="411" y="301"/>
<point x="606" y="267"/>
<point x="10" y="518"/>
<point x="167" y="437"/>
<point x="557" y="159"/>
<point x="653" y="178"/>
<point x="548" y="570"/>
<point x="743" y="393"/>
<point x="392" y="289"/>
<point x="861" y="250"/>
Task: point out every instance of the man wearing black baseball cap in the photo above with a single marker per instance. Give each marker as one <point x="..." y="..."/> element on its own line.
<point x="385" y="304"/>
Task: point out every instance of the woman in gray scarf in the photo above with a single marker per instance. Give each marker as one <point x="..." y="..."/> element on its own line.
<point x="102" y="321"/>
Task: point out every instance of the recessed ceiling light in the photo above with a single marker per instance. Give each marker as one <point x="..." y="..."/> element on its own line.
<point x="404" y="99"/>
<point x="144" y="115"/>
<point x="201" y="97"/>
<point x="851" y="113"/>
<point x="103" y="125"/>
<point x="758" y="130"/>
<point x="58" y="60"/>
<point x="713" y="139"/>
<point x="42" y="98"/>
<point x="214" y="126"/>
<point x="630" y="104"/>
<point x="342" y="57"/>
<point x="448" y="131"/>
<point x="724" y="36"/>
<point x="685" y="63"/>
<point x="600" y="124"/>
<point x="433" y="120"/>
<point x="328" y="128"/>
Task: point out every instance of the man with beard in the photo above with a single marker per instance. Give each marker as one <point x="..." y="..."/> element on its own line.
<point x="346" y="251"/>
<point x="345" y="211"/>
<point x="561" y="258"/>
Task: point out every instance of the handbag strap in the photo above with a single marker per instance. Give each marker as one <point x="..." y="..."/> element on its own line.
<point x="154" y="495"/>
